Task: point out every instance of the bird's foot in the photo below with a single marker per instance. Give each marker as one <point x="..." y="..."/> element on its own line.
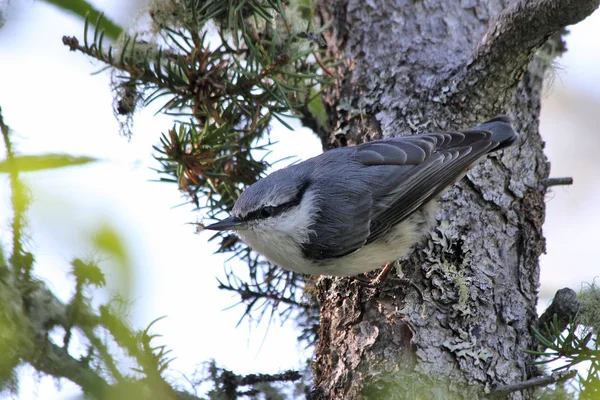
<point x="383" y="274"/>
<point x="374" y="282"/>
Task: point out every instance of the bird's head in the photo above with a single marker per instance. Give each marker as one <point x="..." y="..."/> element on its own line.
<point x="277" y="204"/>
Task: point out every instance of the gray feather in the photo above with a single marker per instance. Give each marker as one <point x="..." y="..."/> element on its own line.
<point x="385" y="181"/>
<point x="411" y="151"/>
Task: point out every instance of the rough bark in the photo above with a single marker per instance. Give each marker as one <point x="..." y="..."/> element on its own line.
<point x="454" y="321"/>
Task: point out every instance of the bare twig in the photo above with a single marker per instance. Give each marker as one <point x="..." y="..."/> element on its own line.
<point x="535" y="382"/>
<point x="246" y="293"/>
<point x="323" y="66"/>
<point x="566" y="181"/>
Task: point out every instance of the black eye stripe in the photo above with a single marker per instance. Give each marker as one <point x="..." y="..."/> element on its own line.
<point x="271" y="211"/>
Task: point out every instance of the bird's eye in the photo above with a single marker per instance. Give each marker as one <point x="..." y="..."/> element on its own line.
<point x="267" y="211"/>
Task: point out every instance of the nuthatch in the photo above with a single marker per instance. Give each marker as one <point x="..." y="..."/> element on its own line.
<point x="354" y="209"/>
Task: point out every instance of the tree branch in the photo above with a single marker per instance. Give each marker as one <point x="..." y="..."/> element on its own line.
<point x="506" y="49"/>
<point x="252" y="379"/>
<point x="565" y="305"/>
<point x="57" y="362"/>
<point x="535" y="382"/>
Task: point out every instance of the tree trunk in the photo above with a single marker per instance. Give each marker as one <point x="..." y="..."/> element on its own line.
<point x="454" y="319"/>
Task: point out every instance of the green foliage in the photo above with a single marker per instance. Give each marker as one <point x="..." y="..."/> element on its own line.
<point x="555" y="393"/>
<point x="577" y="344"/>
<point x="42" y="162"/>
<point x="225" y="70"/>
<point x="84" y="9"/>
<point x="120" y="362"/>
<point x="571" y="346"/>
<point x="87" y="273"/>
<point x="317" y="109"/>
<point x="108" y="241"/>
<point x="14" y="340"/>
<point x="589" y="311"/>
<point x="30" y="314"/>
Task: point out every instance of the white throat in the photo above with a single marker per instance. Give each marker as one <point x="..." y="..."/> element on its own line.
<point x="279" y="238"/>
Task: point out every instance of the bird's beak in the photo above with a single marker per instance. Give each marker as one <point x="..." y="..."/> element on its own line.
<point x="231" y="223"/>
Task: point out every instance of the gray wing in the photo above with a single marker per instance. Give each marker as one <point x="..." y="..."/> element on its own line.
<point x="384" y="181"/>
<point x="342" y="226"/>
<point x="414" y="170"/>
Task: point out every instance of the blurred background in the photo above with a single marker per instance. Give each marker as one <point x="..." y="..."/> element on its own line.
<point x="53" y="104"/>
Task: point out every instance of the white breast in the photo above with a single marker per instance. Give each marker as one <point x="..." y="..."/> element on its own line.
<point x="279" y="243"/>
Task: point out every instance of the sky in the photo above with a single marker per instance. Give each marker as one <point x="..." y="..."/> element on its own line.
<point x="54" y="104"/>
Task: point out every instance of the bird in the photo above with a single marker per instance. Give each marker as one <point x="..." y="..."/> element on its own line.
<point x="351" y="210"/>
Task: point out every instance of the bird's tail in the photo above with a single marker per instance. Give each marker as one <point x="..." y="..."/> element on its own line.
<point x="502" y="131"/>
